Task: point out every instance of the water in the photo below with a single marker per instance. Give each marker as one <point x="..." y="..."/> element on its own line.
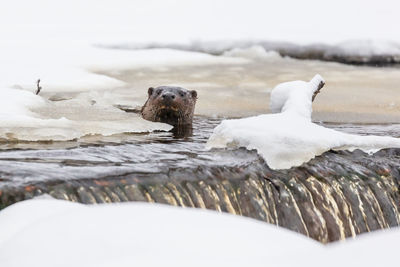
<point x="126" y="154"/>
<point x="352" y="94"/>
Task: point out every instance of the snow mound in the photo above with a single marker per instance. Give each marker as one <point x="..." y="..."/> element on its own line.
<point x="54" y="232"/>
<point x="142" y="234"/>
<point x="288" y="138"/>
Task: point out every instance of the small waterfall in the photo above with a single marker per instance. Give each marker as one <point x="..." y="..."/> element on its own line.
<point x="335" y="196"/>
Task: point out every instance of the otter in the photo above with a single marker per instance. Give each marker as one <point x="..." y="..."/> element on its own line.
<point x="170" y="104"/>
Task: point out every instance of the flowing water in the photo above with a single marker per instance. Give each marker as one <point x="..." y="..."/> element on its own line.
<point x="336" y="195"/>
<point x="26" y="163"/>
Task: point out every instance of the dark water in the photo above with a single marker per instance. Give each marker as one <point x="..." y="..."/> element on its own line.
<point x="27" y="163"/>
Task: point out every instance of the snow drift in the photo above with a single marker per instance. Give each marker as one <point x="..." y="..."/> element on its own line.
<point x="50" y="232"/>
<point x="288" y="137"/>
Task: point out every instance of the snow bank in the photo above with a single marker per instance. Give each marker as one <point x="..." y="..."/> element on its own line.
<point x="17" y="120"/>
<point x="69" y="66"/>
<point x="366" y="48"/>
<point x="47" y="232"/>
<point x="362" y="51"/>
<point x="68" y="72"/>
<point x="289" y="138"/>
<point x="255" y="52"/>
<point x="25" y="116"/>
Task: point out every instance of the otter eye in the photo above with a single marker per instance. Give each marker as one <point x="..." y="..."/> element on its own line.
<point x="158" y="92"/>
<point x="182" y="94"/>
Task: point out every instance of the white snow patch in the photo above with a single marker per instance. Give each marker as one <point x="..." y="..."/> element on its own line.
<point x="289" y="138"/>
<point x="69" y="66"/>
<point x="256" y="52"/>
<point x="25" y="116"/>
<point x="366" y="48"/>
<point x="43" y="232"/>
<point x="270" y="50"/>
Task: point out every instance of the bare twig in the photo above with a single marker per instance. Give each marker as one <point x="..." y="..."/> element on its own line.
<point x="38" y="87"/>
<point x="321" y="84"/>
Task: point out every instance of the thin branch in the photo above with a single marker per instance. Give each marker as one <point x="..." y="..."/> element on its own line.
<point x="38" y="87"/>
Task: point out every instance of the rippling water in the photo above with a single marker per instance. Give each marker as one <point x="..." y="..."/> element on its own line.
<point x="119" y="155"/>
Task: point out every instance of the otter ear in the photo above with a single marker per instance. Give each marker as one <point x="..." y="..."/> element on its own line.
<point x="194" y="93"/>
<point x="150" y="91"/>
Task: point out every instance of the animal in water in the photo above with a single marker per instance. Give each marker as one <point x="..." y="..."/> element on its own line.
<point x="170" y="104"/>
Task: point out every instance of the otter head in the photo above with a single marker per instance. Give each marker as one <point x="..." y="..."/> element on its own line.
<point x="170" y="104"/>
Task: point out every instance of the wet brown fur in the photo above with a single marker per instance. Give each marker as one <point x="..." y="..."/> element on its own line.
<point x="169" y="104"/>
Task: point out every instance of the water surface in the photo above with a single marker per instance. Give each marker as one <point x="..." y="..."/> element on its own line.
<point x="124" y="154"/>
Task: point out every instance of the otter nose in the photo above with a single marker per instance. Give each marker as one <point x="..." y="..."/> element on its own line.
<point x="168" y="96"/>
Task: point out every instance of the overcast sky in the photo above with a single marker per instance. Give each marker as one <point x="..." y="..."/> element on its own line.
<point x="180" y="21"/>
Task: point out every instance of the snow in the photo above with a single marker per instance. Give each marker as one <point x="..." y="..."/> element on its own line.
<point x="70" y="66"/>
<point x="29" y="117"/>
<point x="295" y="97"/>
<point x="48" y="232"/>
<point x="289" y="138"/>
<point x="66" y="70"/>
<point x="366" y="48"/>
<point x="359" y="50"/>
<point x="255" y="52"/>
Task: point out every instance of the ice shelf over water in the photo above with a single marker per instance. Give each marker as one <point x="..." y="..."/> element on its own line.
<point x="288" y="137"/>
<point x="25" y="116"/>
